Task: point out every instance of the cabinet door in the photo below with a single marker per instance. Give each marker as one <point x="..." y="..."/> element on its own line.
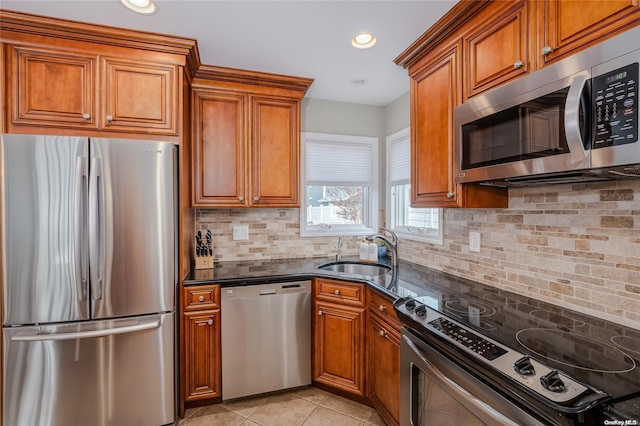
<point x="275" y="152"/>
<point x="339" y="339"/>
<point x="497" y="51"/>
<point x="219" y="140"/>
<point x="384" y="368"/>
<point x="52" y="88"/>
<point x="202" y="355"/>
<point x="139" y="97"/>
<point x="567" y="26"/>
<point x="434" y="93"/>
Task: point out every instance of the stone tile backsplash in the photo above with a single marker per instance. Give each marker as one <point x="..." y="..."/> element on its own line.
<point x="575" y="245"/>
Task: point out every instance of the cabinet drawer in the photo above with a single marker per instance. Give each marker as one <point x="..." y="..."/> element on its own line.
<point x="202" y="297"/>
<point x="340" y="291"/>
<point x="382" y="306"/>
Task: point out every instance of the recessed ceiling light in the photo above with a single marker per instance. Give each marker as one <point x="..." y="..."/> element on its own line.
<point x="358" y="81"/>
<point x="145" y="7"/>
<point x="363" y="41"/>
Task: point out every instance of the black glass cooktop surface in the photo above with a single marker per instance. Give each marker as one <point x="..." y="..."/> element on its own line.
<point x="600" y="353"/>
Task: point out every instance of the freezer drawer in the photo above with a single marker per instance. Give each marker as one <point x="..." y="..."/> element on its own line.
<point x="117" y="372"/>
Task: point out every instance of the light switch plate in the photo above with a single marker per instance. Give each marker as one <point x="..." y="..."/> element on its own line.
<point x="240" y="232"/>
<point x="474" y="241"/>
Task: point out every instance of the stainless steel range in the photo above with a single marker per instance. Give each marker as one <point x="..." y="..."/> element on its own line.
<point x="476" y="355"/>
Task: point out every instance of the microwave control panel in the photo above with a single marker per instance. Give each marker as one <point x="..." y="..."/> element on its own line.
<point x="615" y="97"/>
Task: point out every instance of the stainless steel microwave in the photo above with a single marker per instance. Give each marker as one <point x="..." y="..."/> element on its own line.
<point x="576" y="120"/>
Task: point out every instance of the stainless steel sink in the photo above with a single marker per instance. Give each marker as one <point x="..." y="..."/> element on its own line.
<point x="359" y="268"/>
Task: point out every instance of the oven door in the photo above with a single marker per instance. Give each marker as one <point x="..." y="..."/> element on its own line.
<point x="434" y="390"/>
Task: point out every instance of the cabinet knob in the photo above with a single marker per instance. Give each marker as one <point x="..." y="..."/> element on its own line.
<point x="210" y="322"/>
<point x="86" y="116"/>
<point x="255" y="199"/>
<point x="319" y="313"/>
<point x="381" y="307"/>
<point x="109" y="118"/>
<point x="449" y="194"/>
<point x="518" y="64"/>
<point x="241" y="199"/>
<point x="546" y="50"/>
<point x="383" y="333"/>
<point x="337" y="292"/>
<point x="201" y="298"/>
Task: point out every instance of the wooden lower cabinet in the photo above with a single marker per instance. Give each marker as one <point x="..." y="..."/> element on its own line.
<point x="338" y="357"/>
<point x="201" y="373"/>
<point x="383" y="357"/>
<point x="202" y="355"/>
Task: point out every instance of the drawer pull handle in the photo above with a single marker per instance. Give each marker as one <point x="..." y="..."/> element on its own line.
<point x="319" y="313"/>
<point x="109" y="118"/>
<point x="383" y="333"/>
<point x="518" y="64"/>
<point x="210" y="322"/>
<point x="86" y="116"/>
<point x="546" y="50"/>
<point x="449" y="194"/>
<point x="337" y="292"/>
<point x="256" y="199"/>
<point x="381" y="307"/>
<point x="201" y="298"/>
<point x="241" y="199"/>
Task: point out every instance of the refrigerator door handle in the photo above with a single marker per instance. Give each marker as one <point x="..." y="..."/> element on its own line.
<point x="96" y="205"/>
<point x="80" y="227"/>
<point x="33" y="337"/>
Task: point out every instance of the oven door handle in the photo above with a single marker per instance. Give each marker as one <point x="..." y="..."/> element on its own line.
<point x="455" y="390"/>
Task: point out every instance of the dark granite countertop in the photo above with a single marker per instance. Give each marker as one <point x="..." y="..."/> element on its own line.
<point x="504" y="316"/>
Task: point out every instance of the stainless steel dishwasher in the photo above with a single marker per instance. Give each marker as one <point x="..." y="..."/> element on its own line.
<point x="266" y="338"/>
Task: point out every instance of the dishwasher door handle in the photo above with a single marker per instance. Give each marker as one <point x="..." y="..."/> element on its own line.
<point x="268" y="292"/>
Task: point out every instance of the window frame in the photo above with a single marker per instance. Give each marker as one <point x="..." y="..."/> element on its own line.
<point x="370" y="214"/>
<point x="433" y="237"/>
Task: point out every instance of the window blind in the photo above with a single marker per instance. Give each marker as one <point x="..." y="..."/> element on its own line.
<point x="399" y="162"/>
<point x="338" y="163"/>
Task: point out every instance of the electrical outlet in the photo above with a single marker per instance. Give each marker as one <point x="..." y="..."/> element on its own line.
<point x="474" y="241"/>
<point x="240" y="233"/>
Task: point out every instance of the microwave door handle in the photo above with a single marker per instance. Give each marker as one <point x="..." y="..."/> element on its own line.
<point x="572" y="119"/>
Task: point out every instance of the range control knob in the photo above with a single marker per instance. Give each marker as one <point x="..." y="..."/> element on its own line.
<point x="410" y="304"/>
<point x="421" y="310"/>
<point x="552" y="382"/>
<point x="523" y="366"/>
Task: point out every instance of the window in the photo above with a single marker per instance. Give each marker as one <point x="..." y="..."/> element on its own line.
<point x="340" y="175"/>
<point x="407" y="222"/>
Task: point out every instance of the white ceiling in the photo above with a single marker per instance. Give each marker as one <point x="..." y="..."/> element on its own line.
<point x="301" y="38"/>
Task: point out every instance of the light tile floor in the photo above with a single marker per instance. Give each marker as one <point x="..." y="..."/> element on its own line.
<point x="307" y="406"/>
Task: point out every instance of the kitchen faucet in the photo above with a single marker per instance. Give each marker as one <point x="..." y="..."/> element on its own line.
<point x="391" y="243"/>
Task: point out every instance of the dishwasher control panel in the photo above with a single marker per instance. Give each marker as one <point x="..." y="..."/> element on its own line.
<point x="267" y="289"/>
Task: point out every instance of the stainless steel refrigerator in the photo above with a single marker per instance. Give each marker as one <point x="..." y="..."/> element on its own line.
<point x="88" y="276"/>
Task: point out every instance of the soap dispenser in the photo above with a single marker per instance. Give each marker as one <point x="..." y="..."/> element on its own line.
<point x="372" y="252"/>
<point x="364" y="251"/>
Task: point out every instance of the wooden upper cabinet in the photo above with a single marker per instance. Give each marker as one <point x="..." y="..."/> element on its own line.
<point x="434" y="93"/>
<point x="72" y="78"/>
<point x="55" y="88"/>
<point x="498" y="50"/>
<point x="568" y="26"/>
<point x="139" y="96"/>
<point x="246" y="138"/>
<point x="52" y="88"/>
<point x="219" y="148"/>
<point x="275" y="153"/>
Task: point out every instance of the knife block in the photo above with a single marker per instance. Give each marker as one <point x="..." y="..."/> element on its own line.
<point x="204" y="262"/>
